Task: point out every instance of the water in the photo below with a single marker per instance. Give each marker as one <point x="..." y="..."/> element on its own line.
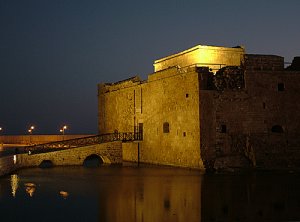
<point x="147" y="193"/>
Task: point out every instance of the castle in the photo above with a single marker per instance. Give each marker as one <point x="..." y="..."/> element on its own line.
<point x="209" y="107"/>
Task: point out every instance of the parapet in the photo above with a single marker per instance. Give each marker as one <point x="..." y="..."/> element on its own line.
<point x="264" y="62"/>
<point x="214" y="57"/>
<point x="109" y="87"/>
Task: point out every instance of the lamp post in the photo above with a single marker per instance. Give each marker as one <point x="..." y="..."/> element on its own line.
<point x="1" y="143"/>
<point x="30" y="132"/>
<point x="62" y="130"/>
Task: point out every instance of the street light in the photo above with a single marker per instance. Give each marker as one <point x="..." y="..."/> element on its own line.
<point x="30" y="132"/>
<point x="31" y="129"/>
<point x="1" y="143"/>
<point x="62" y="130"/>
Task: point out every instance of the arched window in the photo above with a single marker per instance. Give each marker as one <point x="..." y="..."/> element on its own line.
<point x="166" y="127"/>
<point x="277" y="129"/>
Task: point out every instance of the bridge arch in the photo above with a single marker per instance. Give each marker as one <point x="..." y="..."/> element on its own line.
<point x="93" y="160"/>
<point x="46" y="164"/>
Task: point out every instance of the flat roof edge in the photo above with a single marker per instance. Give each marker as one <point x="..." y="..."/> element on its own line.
<point x="195" y="48"/>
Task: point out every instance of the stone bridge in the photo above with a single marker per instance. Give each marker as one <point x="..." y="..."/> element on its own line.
<point x="107" y="153"/>
<point x="105" y="149"/>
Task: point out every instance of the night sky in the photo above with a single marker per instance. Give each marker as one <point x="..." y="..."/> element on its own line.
<point x="53" y="53"/>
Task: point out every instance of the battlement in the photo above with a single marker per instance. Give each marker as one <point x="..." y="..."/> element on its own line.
<point x="264" y="62"/>
<point x="109" y="87"/>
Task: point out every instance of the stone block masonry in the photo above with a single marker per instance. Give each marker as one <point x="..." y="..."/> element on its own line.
<point x="250" y="120"/>
<point x="110" y="153"/>
<point x="165" y="109"/>
<point x="8" y="165"/>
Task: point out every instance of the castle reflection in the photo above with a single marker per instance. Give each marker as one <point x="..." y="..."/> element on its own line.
<point x="151" y="194"/>
<point x="153" y="199"/>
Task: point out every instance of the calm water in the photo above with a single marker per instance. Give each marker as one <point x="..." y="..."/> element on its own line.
<point x="147" y="194"/>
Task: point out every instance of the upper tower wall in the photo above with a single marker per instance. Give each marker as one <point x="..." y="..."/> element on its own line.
<point x="213" y="57"/>
<point x="264" y="62"/>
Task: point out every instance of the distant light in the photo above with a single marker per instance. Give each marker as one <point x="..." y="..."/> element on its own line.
<point x="15" y="159"/>
<point x="62" y="130"/>
<point x="32" y="127"/>
<point x="64" y="194"/>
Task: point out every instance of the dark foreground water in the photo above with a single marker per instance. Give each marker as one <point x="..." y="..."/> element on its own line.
<point x="147" y="194"/>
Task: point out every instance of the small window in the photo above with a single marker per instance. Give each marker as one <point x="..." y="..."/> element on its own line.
<point x="184" y="134"/>
<point x="264" y="105"/>
<point x="223" y="128"/>
<point x="187" y="95"/>
<point x="277" y="129"/>
<point x="280" y="86"/>
<point x="166" y="127"/>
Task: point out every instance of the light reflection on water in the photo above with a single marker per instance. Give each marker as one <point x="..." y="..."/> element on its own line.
<point x="147" y="194"/>
<point x="14" y="182"/>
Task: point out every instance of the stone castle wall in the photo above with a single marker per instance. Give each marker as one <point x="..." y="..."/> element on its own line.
<point x="244" y="116"/>
<point x="239" y="125"/>
<point x="171" y="97"/>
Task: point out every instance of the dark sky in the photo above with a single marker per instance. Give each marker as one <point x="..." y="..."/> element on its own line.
<point x="54" y="52"/>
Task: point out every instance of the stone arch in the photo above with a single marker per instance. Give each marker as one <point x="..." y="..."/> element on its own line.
<point x="46" y="164"/>
<point x="93" y="160"/>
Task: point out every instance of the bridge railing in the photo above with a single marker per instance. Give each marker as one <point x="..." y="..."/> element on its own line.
<point x="84" y="141"/>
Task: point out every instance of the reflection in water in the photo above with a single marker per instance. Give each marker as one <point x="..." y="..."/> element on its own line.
<point x="64" y="194"/>
<point x="162" y="197"/>
<point x="263" y="196"/>
<point x="30" y="188"/>
<point x="14" y="183"/>
<point x="117" y="194"/>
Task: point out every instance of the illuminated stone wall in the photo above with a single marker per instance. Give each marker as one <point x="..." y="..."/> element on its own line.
<point x="211" y="56"/>
<point x="111" y="153"/>
<point x="130" y="152"/>
<point x="208" y="127"/>
<point x="7" y="165"/>
<point x="171" y="97"/>
<point x="237" y="127"/>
